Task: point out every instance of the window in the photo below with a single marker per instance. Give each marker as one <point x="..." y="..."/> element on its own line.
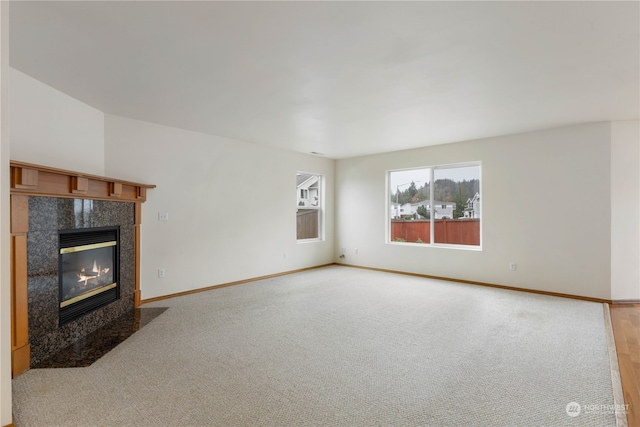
<point x="309" y="207"/>
<point x="454" y="196"/>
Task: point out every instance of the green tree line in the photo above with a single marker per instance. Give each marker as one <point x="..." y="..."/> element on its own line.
<point x="444" y="190"/>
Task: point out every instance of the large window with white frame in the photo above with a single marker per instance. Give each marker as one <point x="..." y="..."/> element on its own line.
<point x="436" y="205"/>
<point x="309" y="215"/>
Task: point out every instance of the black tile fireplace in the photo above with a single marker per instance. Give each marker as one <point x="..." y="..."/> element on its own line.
<point x="68" y="299"/>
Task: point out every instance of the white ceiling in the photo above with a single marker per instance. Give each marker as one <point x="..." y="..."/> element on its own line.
<point x="340" y="78"/>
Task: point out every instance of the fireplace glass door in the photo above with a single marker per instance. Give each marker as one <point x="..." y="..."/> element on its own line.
<point x="88" y="273"/>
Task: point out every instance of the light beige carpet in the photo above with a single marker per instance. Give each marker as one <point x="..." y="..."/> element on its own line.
<point x="339" y="346"/>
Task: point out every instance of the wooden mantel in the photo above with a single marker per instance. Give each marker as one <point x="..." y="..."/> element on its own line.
<point x="34" y="180"/>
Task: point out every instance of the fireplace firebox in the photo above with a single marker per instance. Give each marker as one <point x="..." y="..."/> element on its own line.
<point x="88" y="271"/>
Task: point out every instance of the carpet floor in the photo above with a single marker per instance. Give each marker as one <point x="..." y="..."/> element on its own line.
<point x="339" y="346"/>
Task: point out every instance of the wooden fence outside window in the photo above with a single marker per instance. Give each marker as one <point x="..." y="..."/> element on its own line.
<point x="307" y="223"/>
<point x="451" y="231"/>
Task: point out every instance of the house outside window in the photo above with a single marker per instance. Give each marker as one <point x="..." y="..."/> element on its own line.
<point x="437" y="205"/>
<point x="309" y="215"/>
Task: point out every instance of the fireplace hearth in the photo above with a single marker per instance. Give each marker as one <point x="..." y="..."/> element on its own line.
<point x="88" y="271"/>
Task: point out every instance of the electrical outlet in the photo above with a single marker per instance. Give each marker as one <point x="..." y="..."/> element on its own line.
<point x="512" y="266"/>
<point x="161" y="272"/>
<point x="356" y="251"/>
<point x="284" y="255"/>
<point x="163" y="216"/>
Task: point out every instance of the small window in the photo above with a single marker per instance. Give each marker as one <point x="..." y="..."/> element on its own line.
<point x="309" y="217"/>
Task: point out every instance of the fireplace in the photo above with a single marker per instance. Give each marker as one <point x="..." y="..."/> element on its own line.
<point x="63" y="223"/>
<point x="88" y="273"/>
<point x="44" y="201"/>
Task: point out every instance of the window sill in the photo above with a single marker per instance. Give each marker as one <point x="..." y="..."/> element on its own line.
<point x="438" y="246"/>
<point x="302" y="241"/>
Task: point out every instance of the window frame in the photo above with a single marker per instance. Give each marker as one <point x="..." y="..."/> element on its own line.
<point x="429" y="202"/>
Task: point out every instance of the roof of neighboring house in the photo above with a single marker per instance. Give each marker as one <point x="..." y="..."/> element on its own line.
<point x="301" y="178"/>
<point x="435" y="202"/>
<point x="423" y="203"/>
<point x="475" y="197"/>
<point x="304" y="177"/>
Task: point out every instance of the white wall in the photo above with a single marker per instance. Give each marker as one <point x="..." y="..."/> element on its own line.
<point x="625" y="210"/>
<point x="538" y="192"/>
<point x="51" y="128"/>
<point x="5" y="284"/>
<point x="231" y="205"/>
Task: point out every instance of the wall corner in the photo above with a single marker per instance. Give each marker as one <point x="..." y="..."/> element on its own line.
<point x="625" y="210"/>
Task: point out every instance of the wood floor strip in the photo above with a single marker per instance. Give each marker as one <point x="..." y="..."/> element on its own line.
<point x="616" y="383"/>
<point x="625" y="319"/>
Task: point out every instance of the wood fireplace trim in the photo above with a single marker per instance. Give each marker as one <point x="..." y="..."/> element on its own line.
<point x="35" y="180"/>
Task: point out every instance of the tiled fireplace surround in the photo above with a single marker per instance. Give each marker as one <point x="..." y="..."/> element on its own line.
<point x="45" y="200"/>
<point x="48" y="215"/>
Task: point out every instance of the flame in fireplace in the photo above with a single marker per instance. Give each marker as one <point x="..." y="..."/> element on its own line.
<point x="96" y="271"/>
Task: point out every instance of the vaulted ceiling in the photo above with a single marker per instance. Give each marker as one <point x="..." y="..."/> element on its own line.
<point x="339" y="78"/>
